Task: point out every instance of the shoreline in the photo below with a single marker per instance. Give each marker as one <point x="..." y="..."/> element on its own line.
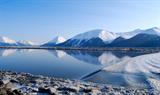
<point x="123" y="49"/>
<point x="28" y="84"/>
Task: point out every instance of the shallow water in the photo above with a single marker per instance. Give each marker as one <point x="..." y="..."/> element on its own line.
<point x="84" y="65"/>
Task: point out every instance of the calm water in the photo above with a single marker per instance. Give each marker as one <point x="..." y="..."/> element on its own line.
<point x="82" y="65"/>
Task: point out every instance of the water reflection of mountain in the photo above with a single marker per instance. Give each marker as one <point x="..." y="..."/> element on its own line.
<point x="119" y="79"/>
<point x="8" y="52"/>
<point x="88" y="57"/>
<point x="145" y="64"/>
<point x="58" y="53"/>
<point x="140" y="71"/>
<point x="101" y="57"/>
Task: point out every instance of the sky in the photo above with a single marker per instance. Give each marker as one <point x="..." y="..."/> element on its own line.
<point x="42" y="20"/>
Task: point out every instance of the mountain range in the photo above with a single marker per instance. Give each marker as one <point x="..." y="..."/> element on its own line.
<point x="5" y="41"/>
<point x="99" y="38"/>
<point x="102" y="38"/>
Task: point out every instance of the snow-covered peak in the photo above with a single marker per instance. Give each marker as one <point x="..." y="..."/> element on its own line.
<point x="7" y="40"/>
<point x="156" y="28"/>
<point x="128" y="35"/>
<point x="98" y="33"/>
<point x="57" y="40"/>
<point x="154" y="31"/>
<point x="25" y="42"/>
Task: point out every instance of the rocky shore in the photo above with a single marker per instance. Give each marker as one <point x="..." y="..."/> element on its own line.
<point x="12" y="83"/>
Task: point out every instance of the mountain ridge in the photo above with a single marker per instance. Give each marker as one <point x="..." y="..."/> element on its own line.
<point x="94" y="38"/>
<point x="99" y="38"/>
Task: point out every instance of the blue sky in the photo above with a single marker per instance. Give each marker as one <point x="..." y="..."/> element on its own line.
<point x="42" y="20"/>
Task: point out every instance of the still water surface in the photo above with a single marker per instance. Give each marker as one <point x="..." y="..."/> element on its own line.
<point x="84" y="65"/>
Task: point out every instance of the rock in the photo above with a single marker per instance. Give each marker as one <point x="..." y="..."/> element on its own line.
<point x="1" y="83"/>
<point x="43" y="90"/>
<point x="95" y="91"/>
<point x="34" y="89"/>
<point x="70" y="89"/>
<point x="49" y="90"/>
<point x="10" y="86"/>
<point x="37" y="81"/>
<point x="17" y="92"/>
<point x="3" y="91"/>
<point x="53" y="91"/>
<point x="87" y="90"/>
<point x="14" y="81"/>
<point x="9" y="92"/>
<point x="65" y="93"/>
<point x="28" y="84"/>
<point x="5" y="81"/>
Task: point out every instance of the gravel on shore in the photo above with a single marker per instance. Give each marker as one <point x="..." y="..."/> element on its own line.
<point x="12" y="83"/>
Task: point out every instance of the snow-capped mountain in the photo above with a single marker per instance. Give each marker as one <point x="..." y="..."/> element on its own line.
<point x="100" y="38"/>
<point x="25" y="43"/>
<point x="104" y="35"/>
<point x="140" y="40"/>
<point x="127" y="35"/>
<point x="55" y="41"/>
<point x="5" y="41"/>
<point x="150" y="31"/>
<point x="93" y="38"/>
<point x="103" y="38"/>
